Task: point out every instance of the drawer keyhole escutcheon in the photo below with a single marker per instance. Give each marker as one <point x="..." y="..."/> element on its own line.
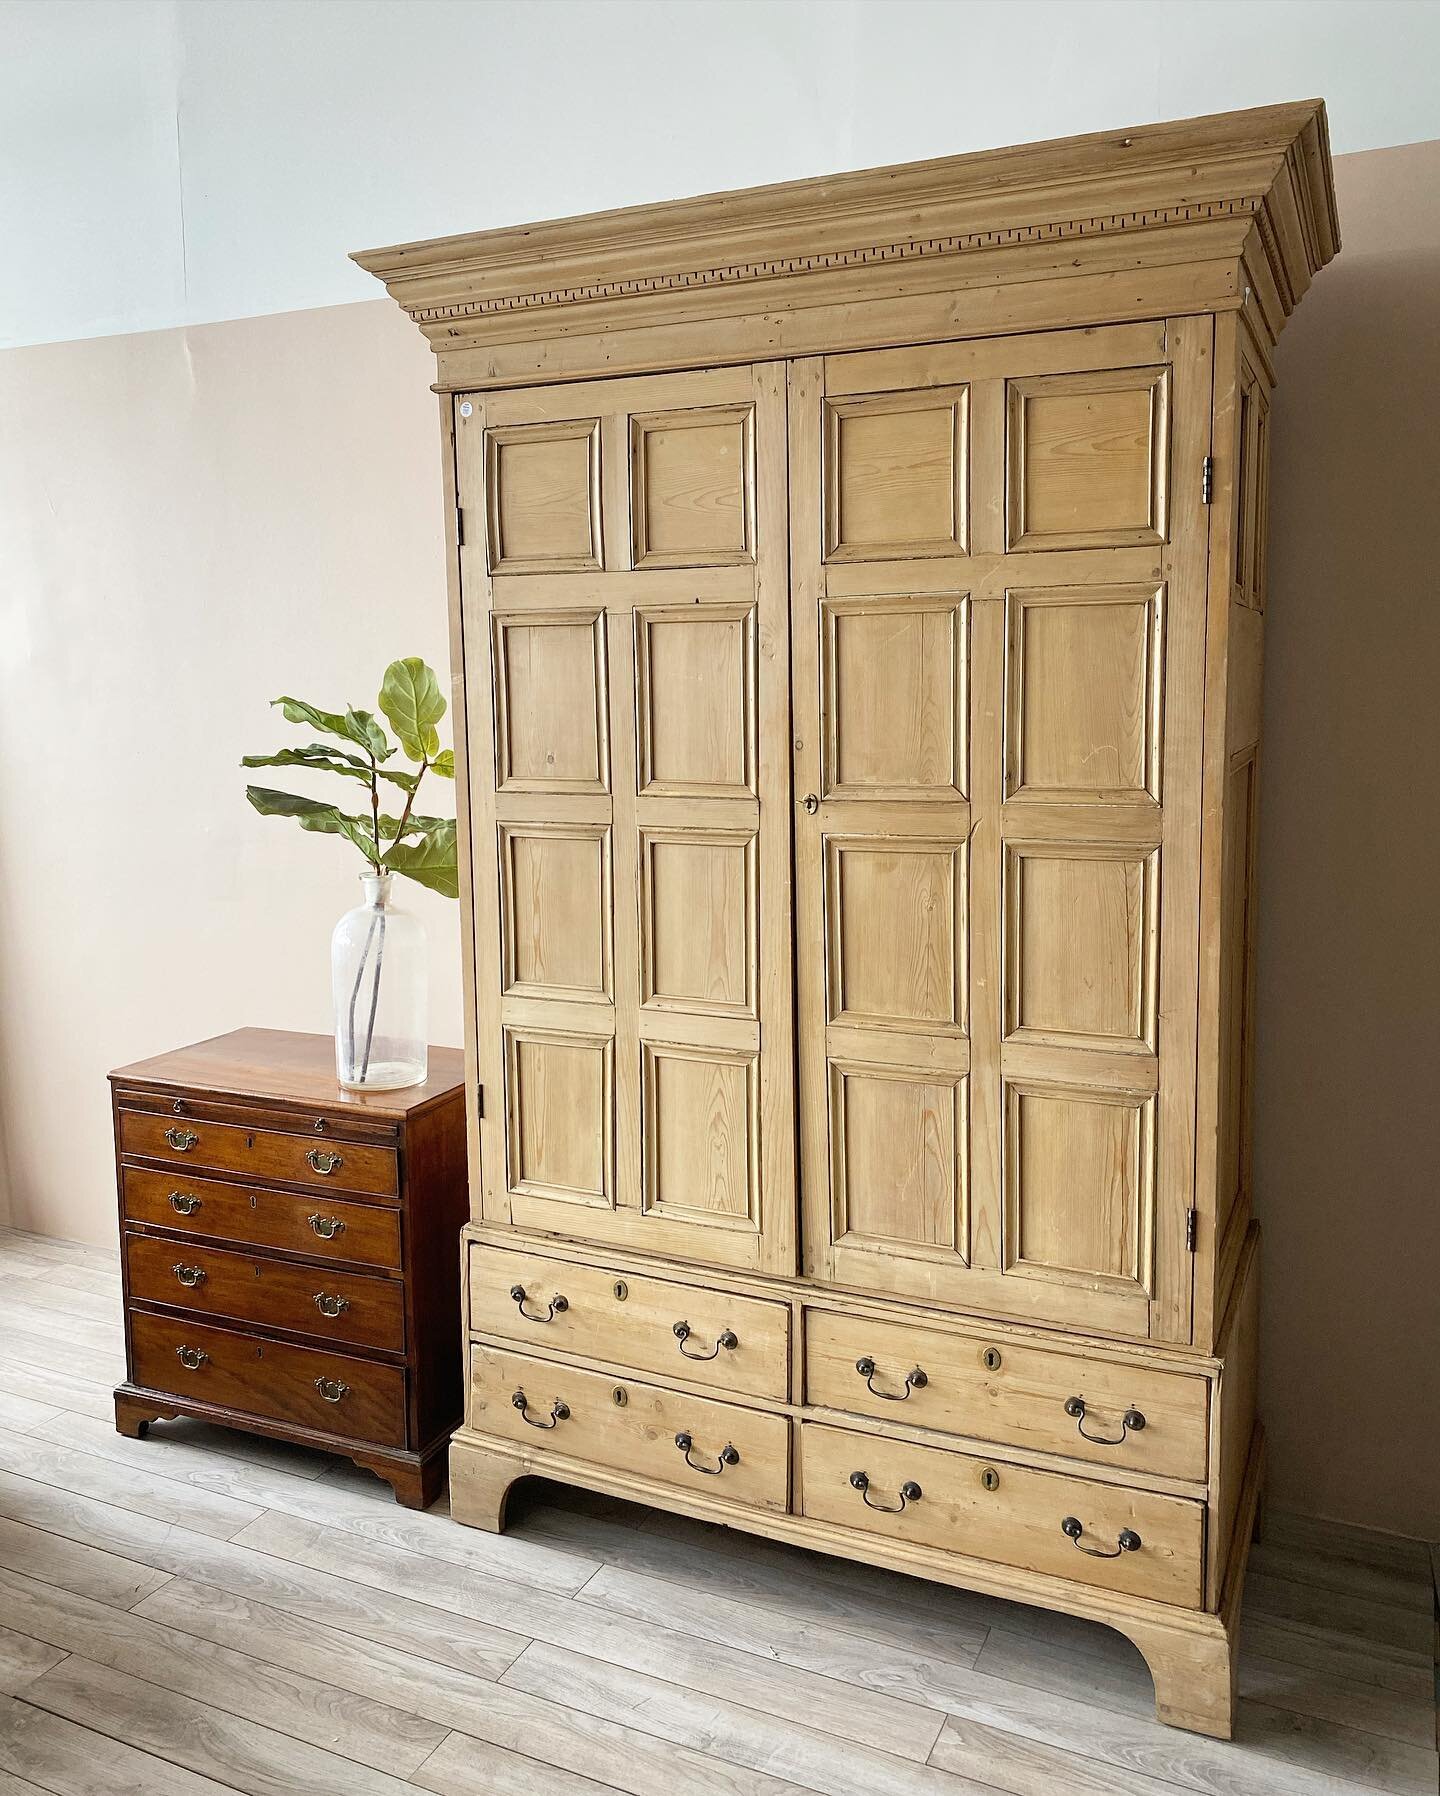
<point x="621" y="1290"/>
<point x="557" y="1306"/>
<point x="324" y="1162"/>
<point x="1127" y="1541"/>
<point x="184" y="1203"/>
<point x="910" y="1492"/>
<point x="189" y="1276"/>
<point x="182" y="1140"/>
<point x="332" y="1389"/>
<point x="192" y="1358"/>
<point x="178" y="1106"/>
<point x="990" y="1478"/>
<point x="990" y="1359"/>
<point x="619" y="1396"/>
<point x="727" y="1338"/>
<point x="1130" y="1423"/>
<point x="915" y="1380"/>
<point x="728" y="1455"/>
<point x="331" y="1306"/>
<point x="327" y="1227"/>
<point x="559" y="1411"/>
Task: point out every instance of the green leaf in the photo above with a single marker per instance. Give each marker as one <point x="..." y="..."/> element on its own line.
<point x="407" y="782"/>
<point x="415" y="824"/>
<point x="354" y="726"/>
<point x="296" y="710"/>
<point x="430" y="861"/>
<point x="412" y="701"/>
<point x="287" y="804"/>
<point x="354" y="829"/>
<point x="322" y="758"/>
<point x="444" y="763"/>
<point x="361" y="727"/>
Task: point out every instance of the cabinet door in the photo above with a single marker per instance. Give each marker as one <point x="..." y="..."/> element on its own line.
<point x="998" y="580"/>
<point x="625" y="637"/>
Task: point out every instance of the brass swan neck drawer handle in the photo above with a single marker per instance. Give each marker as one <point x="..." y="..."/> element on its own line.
<point x="910" y="1492"/>
<point x="914" y="1381"/>
<point x="331" y="1306"/>
<point x="327" y="1227"/>
<point x="182" y="1140"/>
<point x="320" y="1160"/>
<point x="189" y="1276"/>
<point x="728" y="1455"/>
<point x="1130" y="1423"/>
<point x="192" y="1358"/>
<point x="727" y="1338"/>
<point x="332" y="1389"/>
<point x="556" y="1307"/>
<point x="184" y="1203"/>
<point x="559" y="1411"/>
<point x="1127" y="1541"/>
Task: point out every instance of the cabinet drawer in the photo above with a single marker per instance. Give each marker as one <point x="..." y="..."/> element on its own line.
<point x="733" y="1453"/>
<point x="311" y="1300"/>
<point x="363" y="1234"/>
<point x="860" y="1480"/>
<point x="737" y="1344"/>
<point x="1012" y="1392"/>
<point x="263" y="1153"/>
<point x="269" y="1378"/>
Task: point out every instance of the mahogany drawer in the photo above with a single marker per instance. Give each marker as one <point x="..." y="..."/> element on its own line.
<point x="314" y="1300"/>
<point x="323" y="1227"/>
<point x="272" y="1379"/>
<point x="263" y="1153"/>
<point x="1015" y="1393"/>
<point x="707" y="1335"/>
<point x="720" y="1448"/>
<point x="1013" y="1515"/>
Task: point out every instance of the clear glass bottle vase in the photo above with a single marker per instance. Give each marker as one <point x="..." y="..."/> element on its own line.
<point x="379" y="973"/>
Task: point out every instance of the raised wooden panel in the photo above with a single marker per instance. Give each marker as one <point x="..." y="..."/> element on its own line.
<point x="1079" y="1184"/>
<point x="1081" y="944"/>
<point x="898" y="1142"/>
<point x="1083" y="693"/>
<point x="1087" y="461"/>
<point x="551" y="711"/>
<point x="895" y="933"/>
<point x="695" y="700"/>
<point x="698" y="920"/>
<point x="560" y="1104"/>
<point x="555" y="910"/>
<point x="692" y="478"/>
<point x="895" y="475"/>
<point x="701" y="1133"/>
<point x="1237" y="890"/>
<point x="542" y="493"/>
<point x="894" y="696"/>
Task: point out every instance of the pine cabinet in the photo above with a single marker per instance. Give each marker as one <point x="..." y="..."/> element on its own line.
<point x="858" y="600"/>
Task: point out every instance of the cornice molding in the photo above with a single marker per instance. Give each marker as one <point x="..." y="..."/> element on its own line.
<point x="1264" y="173"/>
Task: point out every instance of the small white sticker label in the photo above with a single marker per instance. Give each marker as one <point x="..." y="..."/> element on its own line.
<point x="466" y="408"/>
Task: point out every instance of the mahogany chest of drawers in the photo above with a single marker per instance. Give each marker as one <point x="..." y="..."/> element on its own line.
<point x="291" y="1251"/>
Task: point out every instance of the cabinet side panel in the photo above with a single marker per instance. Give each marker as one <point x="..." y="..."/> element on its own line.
<point x="1235" y="1422"/>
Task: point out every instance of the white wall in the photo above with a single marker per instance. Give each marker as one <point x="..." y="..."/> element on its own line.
<point x="174" y="161"/>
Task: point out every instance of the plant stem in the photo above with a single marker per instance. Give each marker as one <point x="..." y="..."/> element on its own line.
<point x="374" y="998"/>
<point x="410" y="802"/>
<point x="355" y="998"/>
<point x="375" y="810"/>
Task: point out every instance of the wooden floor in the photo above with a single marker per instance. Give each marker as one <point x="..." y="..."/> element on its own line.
<point x="202" y="1611"/>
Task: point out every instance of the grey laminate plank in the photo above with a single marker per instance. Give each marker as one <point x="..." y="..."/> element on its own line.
<point x="214" y="1446"/>
<point x="16" y="1786"/>
<point x="63" y="1390"/>
<point x="44" y="1462"/>
<point x="1408" y="1716"/>
<point x="464" y="1767"/>
<point x="45" y="1354"/>
<point x="103" y="1279"/>
<point x="1033" y="1768"/>
<point x="20" y="1413"/>
<point x="23" y="1658"/>
<point x="241" y="1754"/>
<point x="903" y="1728"/>
<point x="58" y="1251"/>
<point x="79" y="1518"/>
<point x="1111" y="1683"/>
<point x="813" y="1758"/>
<point x="67" y="1300"/>
<point x="1406" y="1630"/>
<point x="68" y="1760"/>
<point x="1329" y="1749"/>
<point x="629" y="1760"/>
<point x="89" y="1570"/>
<point x="104" y="1341"/>
<point x="1342" y="1541"/>
<point x="369" y="1510"/>
<point x="1400" y="1587"/>
<point x="1357" y="1661"/>
<point x="16" y="1264"/>
<point x="301" y="1704"/>
<point x="882" y="1615"/>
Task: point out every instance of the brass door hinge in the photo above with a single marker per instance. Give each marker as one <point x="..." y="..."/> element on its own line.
<point x="1207" y="480"/>
<point x="1192" y="1224"/>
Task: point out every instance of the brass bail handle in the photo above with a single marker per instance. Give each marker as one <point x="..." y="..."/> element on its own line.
<point x="1130" y="1423"/>
<point x="1127" y="1541"/>
<point x="728" y="1455"/>
<point x="915" y="1380"/>
<point x="910" y="1492"/>
<point x="556" y="1307"/>
<point x="727" y="1338"/>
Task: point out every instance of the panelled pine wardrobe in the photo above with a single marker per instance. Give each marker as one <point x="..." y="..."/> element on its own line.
<point x="858" y="591"/>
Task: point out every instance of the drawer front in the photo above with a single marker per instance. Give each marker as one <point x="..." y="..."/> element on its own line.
<point x="269" y="1378"/>
<point x="1014" y="1393"/>
<point x="736" y="1344"/>
<point x="738" y="1454"/>
<point x="310" y="1300"/>
<point x="263" y="1153"/>
<point x="363" y="1234"/>
<point x="256" y="1113"/>
<point x="1013" y="1515"/>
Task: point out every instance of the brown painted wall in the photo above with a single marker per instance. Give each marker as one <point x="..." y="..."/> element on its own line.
<point x="191" y="521"/>
<point x="1347" y="1112"/>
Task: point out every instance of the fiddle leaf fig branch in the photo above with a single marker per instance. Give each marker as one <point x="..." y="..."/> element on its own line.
<point x="419" y="846"/>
